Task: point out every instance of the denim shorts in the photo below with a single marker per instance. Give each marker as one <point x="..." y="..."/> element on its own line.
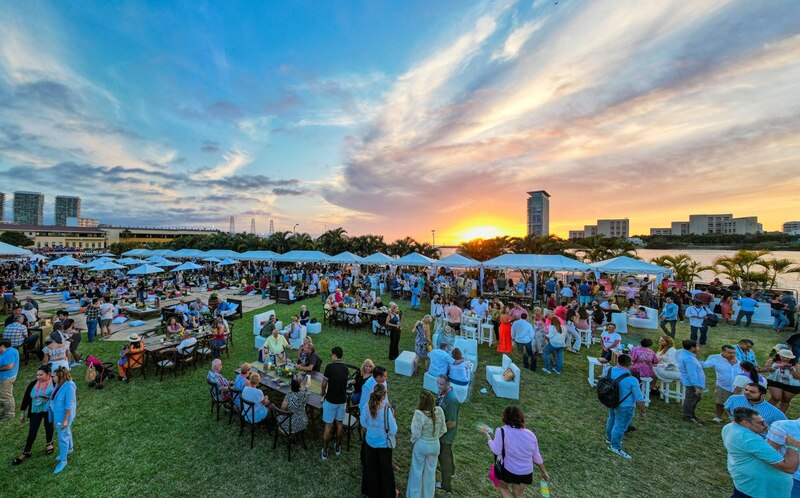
<point x="332" y="411"/>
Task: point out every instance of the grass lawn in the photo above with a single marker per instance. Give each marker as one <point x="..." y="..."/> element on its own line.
<point x="158" y="438"/>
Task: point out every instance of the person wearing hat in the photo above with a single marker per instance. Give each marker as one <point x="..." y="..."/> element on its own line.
<point x="130" y="357"/>
<point x="783" y="380"/>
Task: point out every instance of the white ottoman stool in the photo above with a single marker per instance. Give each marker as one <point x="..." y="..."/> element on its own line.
<point x="314" y="328"/>
<point x="404" y="364"/>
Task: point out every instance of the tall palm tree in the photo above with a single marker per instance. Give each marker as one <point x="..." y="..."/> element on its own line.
<point x="538" y="244"/>
<point x="364" y="245"/>
<point x="301" y="242"/>
<point x="401" y="247"/>
<point x="601" y="248"/>
<point x="684" y="268"/>
<point x="279" y="242"/>
<point x="333" y="241"/>
<point x="483" y="249"/>
<point x="741" y="266"/>
<point x="776" y="267"/>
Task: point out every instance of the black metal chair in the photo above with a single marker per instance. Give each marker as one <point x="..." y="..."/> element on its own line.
<point x="188" y="358"/>
<point x="218" y="398"/>
<point x="352" y="419"/>
<point x="248" y="414"/>
<point x="166" y="360"/>
<point x="283" y="429"/>
<point x="236" y="405"/>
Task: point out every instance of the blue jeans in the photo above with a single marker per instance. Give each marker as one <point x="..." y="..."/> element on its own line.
<point x="550" y="349"/>
<point x="780" y="320"/>
<point x="795" y="488"/>
<point x="91" y="329"/>
<point x="526" y="348"/>
<point x="618" y="421"/>
<point x="64" y="440"/>
<point x="746" y="314"/>
<point x="693" y="334"/>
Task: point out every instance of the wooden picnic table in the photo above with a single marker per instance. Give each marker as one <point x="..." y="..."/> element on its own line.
<point x="162" y="342"/>
<point x="141" y="313"/>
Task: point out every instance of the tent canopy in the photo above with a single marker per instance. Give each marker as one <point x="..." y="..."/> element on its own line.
<point x="226" y="262"/>
<point x="257" y="256"/>
<point x="414" y="259"/>
<point x="145" y="270"/>
<point x="65" y="261"/>
<point x="456" y="260"/>
<point x="303" y="257"/>
<point x="188" y="253"/>
<point x="14" y="251"/>
<point x="346" y="258"/>
<point x="624" y="265"/>
<point x="222" y="253"/>
<point x="536" y="262"/>
<point x="188" y="266"/>
<point x="138" y="253"/>
<point x="378" y="259"/>
<point x="106" y="265"/>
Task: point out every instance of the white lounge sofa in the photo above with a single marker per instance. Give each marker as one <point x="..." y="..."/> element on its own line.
<point x="501" y="387"/>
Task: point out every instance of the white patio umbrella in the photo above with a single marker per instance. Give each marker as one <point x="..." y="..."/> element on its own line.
<point x="145" y="269"/>
<point x="211" y="259"/>
<point x="12" y="251"/>
<point x="106" y="265"/>
<point x="131" y="261"/>
<point x="188" y="266"/>
<point x="65" y="261"/>
<point x="226" y="262"/>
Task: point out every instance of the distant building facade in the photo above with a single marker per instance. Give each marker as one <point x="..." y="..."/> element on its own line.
<point x="2" y="206"/>
<point x="82" y="222"/>
<point x="792" y="227"/>
<point x="680" y="228"/>
<point x="67" y="207"/>
<point x="576" y="234"/>
<point x="538" y="213"/>
<point x="660" y="231"/>
<point x="614" y="228"/>
<point x="146" y="235"/>
<point x="55" y="238"/>
<point x="28" y="208"/>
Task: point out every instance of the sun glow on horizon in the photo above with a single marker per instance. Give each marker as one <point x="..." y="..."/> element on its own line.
<point x="479" y="232"/>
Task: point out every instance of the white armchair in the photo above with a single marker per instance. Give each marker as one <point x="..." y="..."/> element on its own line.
<point x="469" y="348"/>
<point x="258" y="322"/>
<point x="296" y="343"/>
<point x="651" y="322"/>
<point x="501" y="387"/>
<point x="621" y="321"/>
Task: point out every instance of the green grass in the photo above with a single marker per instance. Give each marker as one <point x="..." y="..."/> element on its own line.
<point x="150" y="437"/>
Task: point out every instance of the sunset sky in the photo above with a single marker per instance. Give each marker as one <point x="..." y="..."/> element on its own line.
<point x="398" y="118"/>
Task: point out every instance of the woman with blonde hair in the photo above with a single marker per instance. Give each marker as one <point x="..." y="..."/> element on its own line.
<point x="62" y="408"/>
<point x="422" y="340"/>
<point x="377" y="476"/>
<point x="427" y="426"/>
<point x="362" y="375"/>
<point x="667" y="367"/>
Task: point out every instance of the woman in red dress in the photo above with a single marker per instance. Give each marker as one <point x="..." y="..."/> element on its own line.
<point x="505" y="332"/>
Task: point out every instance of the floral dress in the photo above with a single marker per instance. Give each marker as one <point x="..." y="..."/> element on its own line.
<point x="643" y="360"/>
<point x="421" y="341"/>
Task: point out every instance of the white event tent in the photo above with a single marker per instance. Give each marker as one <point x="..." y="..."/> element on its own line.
<point x="7" y="250"/>
<point x="346" y="258"/>
<point x="456" y="260"/>
<point x="536" y="263"/>
<point x="257" y="256"/>
<point x="378" y="259"/>
<point x="625" y="265"/>
<point x="414" y="259"/>
<point x="303" y="257"/>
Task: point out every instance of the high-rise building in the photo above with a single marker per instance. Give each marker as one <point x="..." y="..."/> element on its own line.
<point x="2" y="206"/>
<point x="538" y="213"/>
<point x="680" y="227"/>
<point x="67" y="207"/>
<point x="29" y="208"/>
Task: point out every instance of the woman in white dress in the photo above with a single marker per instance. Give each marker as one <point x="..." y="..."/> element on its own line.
<point x="667" y="367"/>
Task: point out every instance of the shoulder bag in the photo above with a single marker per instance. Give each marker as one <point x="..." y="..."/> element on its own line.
<point x="498" y="463"/>
<point x="391" y="441"/>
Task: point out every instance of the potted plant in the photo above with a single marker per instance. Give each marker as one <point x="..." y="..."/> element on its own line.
<point x="213" y="301"/>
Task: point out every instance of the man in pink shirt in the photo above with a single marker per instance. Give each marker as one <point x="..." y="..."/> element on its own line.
<point x="454" y="316"/>
<point x="517" y="311"/>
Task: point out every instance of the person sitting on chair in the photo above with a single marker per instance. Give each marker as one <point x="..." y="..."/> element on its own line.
<point x="295" y="329"/>
<point x="275" y="345"/>
<point x="254" y="395"/>
<point x="307" y="356"/>
<point x="187" y="345"/>
<point x="268" y="327"/>
<point x="173" y="327"/>
<point x="215" y="377"/>
<point x="130" y="357"/>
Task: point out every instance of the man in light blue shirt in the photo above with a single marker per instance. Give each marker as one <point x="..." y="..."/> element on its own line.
<point x="779" y="437"/>
<point x="747" y="306"/>
<point x="753" y="398"/>
<point x="692" y="377"/>
<point x="378" y="377"/>
<point x="744" y="352"/>
<point x="9" y="367"/>
<point x="630" y="396"/>
<point x="522" y="333"/>
<point x="757" y="469"/>
<point x="440" y="360"/>
<point x="727" y="369"/>
<point x="669" y="315"/>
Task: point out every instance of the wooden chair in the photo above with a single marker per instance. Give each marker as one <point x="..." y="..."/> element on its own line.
<point x="137" y="362"/>
<point x="187" y="359"/>
<point x="283" y="429"/>
<point x="247" y="414"/>
<point x="203" y="349"/>
<point x="236" y="404"/>
<point x="352" y="419"/>
<point x="218" y="398"/>
<point x="166" y="360"/>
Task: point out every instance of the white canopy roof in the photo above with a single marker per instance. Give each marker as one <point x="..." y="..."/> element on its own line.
<point x="378" y="259"/>
<point x="537" y="262"/>
<point x="138" y="253"/>
<point x="414" y="259"/>
<point x="187" y="253"/>
<point x="222" y="253"/>
<point x="9" y="250"/>
<point x="303" y="257"/>
<point x="625" y="265"/>
<point x="65" y="261"/>
<point x="346" y="258"/>
<point x="456" y="260"/>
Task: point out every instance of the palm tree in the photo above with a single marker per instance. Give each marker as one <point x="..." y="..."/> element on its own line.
<point x="775" y="267"/>
<point x="428" y="250"/>
<point x="279" y="242"/>
<point x="538" y="244"/>
<point x="364" y="245"/>
<point x="333" y="241"/>
<point x="301" y="242"/>
<point x="483" y="249"/>
<point x="401" y="247"/>
<point x="601" y="248"/>
<point x="740" y="266"/>
<point x="684" y="268"/>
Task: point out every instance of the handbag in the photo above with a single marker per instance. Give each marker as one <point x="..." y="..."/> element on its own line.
<point x="498" y="463"/>
<point x="710" y="320"/>
<point x="391" y="440"/>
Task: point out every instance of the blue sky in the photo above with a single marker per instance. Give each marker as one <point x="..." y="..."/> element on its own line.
<point x="401" y="117"/>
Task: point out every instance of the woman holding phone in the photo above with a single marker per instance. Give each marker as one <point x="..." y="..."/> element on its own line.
<point x="37" y="395"/>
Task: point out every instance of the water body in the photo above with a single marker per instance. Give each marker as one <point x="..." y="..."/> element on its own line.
<point x="706" y="257"/>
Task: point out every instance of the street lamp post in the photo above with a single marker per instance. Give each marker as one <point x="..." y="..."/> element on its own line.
<point x="433" y="234"/>
<point x="294" y="230"/>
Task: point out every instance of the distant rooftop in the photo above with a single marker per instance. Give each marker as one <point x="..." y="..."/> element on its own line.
<point x="176" y="229"/>
<point x="538" y="192"/>
<point x="48" y="228"/>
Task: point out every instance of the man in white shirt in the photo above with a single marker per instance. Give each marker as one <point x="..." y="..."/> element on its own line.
<point x="378" y="377"/>
<point x="186" y="347"/>
<point x="480" y="308"/>
<point x="522" y="333"/>
<point x="612" y="342"/>
<point x="696" y="315"/>
<point x="727" y="367"/>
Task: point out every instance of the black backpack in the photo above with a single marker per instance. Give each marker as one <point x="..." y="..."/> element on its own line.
<point x="710" y="320"/>
<point x="608" y="390"/>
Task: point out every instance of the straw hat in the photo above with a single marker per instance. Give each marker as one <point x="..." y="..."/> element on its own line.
<point x="134" y="338"/>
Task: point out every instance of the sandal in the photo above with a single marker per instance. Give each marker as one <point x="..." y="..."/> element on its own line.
<point x="49" y="449"/>
<point x="21" y="458"/>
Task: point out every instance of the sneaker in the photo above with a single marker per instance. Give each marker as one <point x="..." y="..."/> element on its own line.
<point x="337" y="450"/>
<point x="546" y="370"/>
<point x="62" y="464"/>
<point x="73" y="365"/>
<point x="716" y="420"/>
<point x="322" y="456"/>
<point x="608" y="441"/>
<point x="559" y="373"/>
<point x="440" y="488"/>
<point x="621" y="453"/>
